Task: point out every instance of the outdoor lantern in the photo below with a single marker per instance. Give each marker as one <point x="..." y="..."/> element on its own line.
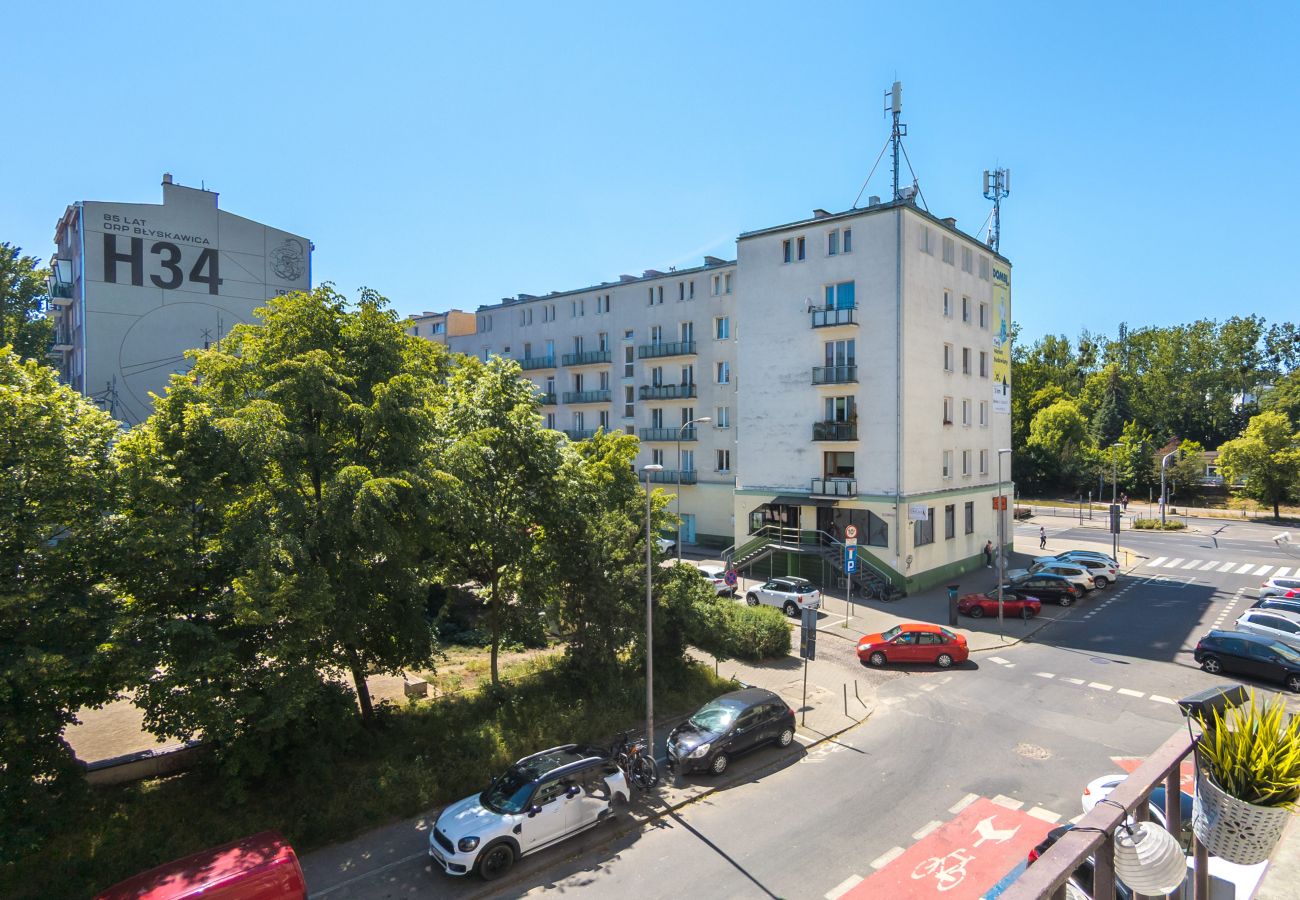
<point x="1148" y="859"/>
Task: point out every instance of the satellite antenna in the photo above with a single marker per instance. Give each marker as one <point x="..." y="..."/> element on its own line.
<point x="997" y="184"/>
<point x="895" y="107"/>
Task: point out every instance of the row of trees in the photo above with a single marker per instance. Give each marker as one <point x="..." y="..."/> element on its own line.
<point x="1233" y="386"/>
<point x="274" y="532"/>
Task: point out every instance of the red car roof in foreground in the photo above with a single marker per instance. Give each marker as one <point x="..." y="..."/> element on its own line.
<point x="206" y="873"/>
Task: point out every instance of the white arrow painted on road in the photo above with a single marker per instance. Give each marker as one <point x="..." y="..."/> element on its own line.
<point x="984" y="828"/>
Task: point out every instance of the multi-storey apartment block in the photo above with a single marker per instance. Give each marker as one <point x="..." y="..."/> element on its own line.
<point x="651" y="355"/>
<point x="438" y="327"/>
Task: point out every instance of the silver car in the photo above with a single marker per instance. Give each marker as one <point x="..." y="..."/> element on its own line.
<point x="1280" y="587"/>
<point x="789" y="594"/>
<point x="1281" y="626"/>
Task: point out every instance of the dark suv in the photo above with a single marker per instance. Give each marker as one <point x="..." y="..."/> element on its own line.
<point x="732" y="724"/>
<point x="1249" y="654"/>
<point x="1045" y="587"/>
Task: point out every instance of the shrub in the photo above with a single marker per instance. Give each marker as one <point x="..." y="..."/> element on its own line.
<point x="1154" y="524"/>
<point x="728" y="629"/>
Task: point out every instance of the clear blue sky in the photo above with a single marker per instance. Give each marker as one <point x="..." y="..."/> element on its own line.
<point x="450" y="155"/>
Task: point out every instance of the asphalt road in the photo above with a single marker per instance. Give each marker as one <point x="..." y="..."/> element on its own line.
<point x="1023" y="728"/>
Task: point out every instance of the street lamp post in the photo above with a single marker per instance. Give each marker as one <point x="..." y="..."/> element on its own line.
<point x="1114" y="497"/>
<point x="649" y="623"/>
<point x="680" y="431"/>
<point x="1164" y="498"/>
<point x="1002" y="543"/>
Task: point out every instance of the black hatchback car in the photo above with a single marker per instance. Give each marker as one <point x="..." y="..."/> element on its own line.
<point x="724" y="728"/>
<point x="1055" y="588"/>
<point x="1249" y="654"/>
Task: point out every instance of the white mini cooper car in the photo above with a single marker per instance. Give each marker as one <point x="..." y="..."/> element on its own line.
<point x="539" y="801"/>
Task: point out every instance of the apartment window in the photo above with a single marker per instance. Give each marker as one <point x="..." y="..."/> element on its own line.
<point x="950" y="521"/>
<point x="604" y="381"/>
<point x="528" y="350"/>
<point x="984" y="413"/>
<point x="577" y="382"/>
<point x="726" y="282"/>
<point x="602" y="304"/>
<point x="688" y="460"/>
<point x="984" y="462"/>
<point x="927" y="241"/>
<point x="724" y="372"/>
<point x="681" y="292"/>
<point x="548" y="313"/>
<point x="656" y="457"/>
<point x="846" y="245"/>
<point x="573" y="309"/>
<point x="841" y="296"/>
<point x="715" y="285"/>
<point x="550" y="421"/>
<point x="838" y="464"/>
<point x="688" y="375"/>
<point x="629" y="397"/>
<point x="627" y="335"/>
<point x="577" y="343"/>
<point x="970" y="516"/>
<point x="660" y="294"/>
<point x="984" y="364"/>
<point x="787" y="251"/>
<point x="965" y="412"/>
<point x="690" y="290"/>
<point x="801" y="248"/>
<point x="984" y="268"/>
<point x="965" y="309"/>
<point x="550" y="384"/>
<point x="984" y="315"/>
<point x="602" y="341"/>
<point x="965" y="360"/>
<point x="629" y="365"/>
<point x="947" y="304"/>
<point x="650" y="293"/>
<point x="687" y="331"/>
<point x="724" y="460"/>
<point x="579" y="421"/>
<point x="947" y="357"/>
<point x="965" y="463"/>
<point x="656" y="334"/>
<point x="949" y="251"/>
<point x="947" y="464"/>
<point x="947" y="410"/>
<point x="688" y="413"/>
<point x="840" y="409"/>
<point x="967" y="260"/>
<point x="722" y="328"/>
<point x="439" y="327"/>
<point x="923" y="530"/>
<point x="841" y="353"/>
<point x="656" y="418"/>
<point x="487" y="352"/>
<point x="657" y="376"/>
<point x="722" y="417"/>
<point x="629" y="429"/>
<point x="832" y="243"/>
<point x="603" y="418"/>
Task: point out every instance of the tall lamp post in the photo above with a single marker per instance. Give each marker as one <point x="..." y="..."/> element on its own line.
<point x="1164" y="497"/>
<point x="680" y="431"/>
<point x="1114" y="496"/>
<point x="1002" y="542"/>
<point x="649" y="622"/>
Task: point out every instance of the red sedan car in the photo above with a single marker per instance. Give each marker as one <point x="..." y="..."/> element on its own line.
<point x="913" y="642"/>
<point x="977" y="605"/>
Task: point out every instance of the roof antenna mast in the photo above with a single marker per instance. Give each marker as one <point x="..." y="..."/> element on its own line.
<point x="895" y="107"/>
<point x="997" y="184"/>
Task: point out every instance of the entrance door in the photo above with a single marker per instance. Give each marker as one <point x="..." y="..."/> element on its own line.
<point x="688" y="528"/>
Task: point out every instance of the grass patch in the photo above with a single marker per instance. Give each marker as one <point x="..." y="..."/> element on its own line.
<point x="418" y="757"/>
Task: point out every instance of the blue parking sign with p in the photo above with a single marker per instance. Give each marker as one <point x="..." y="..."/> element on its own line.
<point x="850" y="559"/>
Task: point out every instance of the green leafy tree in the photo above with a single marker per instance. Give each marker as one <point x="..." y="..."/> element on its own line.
<point x="22" y="299"/>
<point x="1112" y="410"/>
<point x="1267" y="458"/>
<point x="1059" y="433"/>
<point x="499" y="467"/>
<point x="55" y="616"/>
<point x="1284" y="397"/>
<point x="1185" y="471"/>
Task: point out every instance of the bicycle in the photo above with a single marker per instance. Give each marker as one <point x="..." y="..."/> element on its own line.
<point x="635" y="761"/>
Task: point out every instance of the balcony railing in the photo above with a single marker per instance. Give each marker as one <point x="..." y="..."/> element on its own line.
<point x="62" y="339"/>
<point x="669" y="476"/>
<point x="676" y="348"/>
<point x="586" y="396"/>
<point x="537" y="362"/>
<point x="834" y="374"/>
<point x="586" y="358"/>
<point x="667" y="434"/>
<point x="59" y="290"/>
<point x="580" y="434"/>
<point x="667" y="391"/>
<point x="834" y="487"/>
<point x="547" y="399"/>
<point x="822" y="318"/>
<point x="835" y="431"/>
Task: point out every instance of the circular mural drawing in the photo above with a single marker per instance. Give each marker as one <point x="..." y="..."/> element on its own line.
<point x="289" y="259"/>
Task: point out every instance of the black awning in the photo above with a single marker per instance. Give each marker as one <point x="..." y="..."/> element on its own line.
<point x="797" y="500"/>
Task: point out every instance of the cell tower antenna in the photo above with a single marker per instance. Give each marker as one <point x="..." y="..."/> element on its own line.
<point x="997" y="184"/>
<point x="894" y="107"/>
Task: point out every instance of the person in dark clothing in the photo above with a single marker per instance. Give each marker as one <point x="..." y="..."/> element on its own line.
<point x="1042" y="538"/>
<point x="988" y="554"/>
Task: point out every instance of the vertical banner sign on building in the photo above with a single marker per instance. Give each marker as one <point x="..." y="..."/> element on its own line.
<point x="1001" y="339"/>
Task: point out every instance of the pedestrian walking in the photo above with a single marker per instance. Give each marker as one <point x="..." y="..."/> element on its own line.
<point x="1123" y="501"/>
<point x="1042" y="538"/>
<point x="988" y="554"/>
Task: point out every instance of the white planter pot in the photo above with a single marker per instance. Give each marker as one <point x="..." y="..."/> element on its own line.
<point x="1233" y="829"/>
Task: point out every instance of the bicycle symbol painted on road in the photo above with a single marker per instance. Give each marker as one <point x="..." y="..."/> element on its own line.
<point x="948" y="874"/>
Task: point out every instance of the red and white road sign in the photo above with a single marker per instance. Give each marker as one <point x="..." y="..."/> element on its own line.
<point x="960" y="860"/>
<point x="851" y="532"/>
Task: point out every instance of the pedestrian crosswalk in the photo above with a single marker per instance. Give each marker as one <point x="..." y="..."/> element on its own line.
<point x="1233" y="567"/>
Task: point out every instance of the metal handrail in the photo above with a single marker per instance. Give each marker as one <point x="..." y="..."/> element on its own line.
<point x="835" y="374"/>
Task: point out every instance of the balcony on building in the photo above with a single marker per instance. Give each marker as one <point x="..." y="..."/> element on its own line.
<point x="834" y="487"/>
<point x="835" y="375"/>
<point x="670" y="476"/>
<point x="587" y="358"/>
<point x="547" y="399"/>
<point x="580" y="434"/>
<point x="62" y="339"/>
<point x="667" y="391"/>
<point x="835" y="431"/>
<point x="668" y="434"/>
<point x="674" y="348"/>
<point x="586" y="396"/>
<point x="536" y="362"/>
<point x="60" y="282"/>
<point x="841" y="315"/>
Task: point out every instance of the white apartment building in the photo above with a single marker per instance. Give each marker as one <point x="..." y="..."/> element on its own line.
<point x="646" y="355"/>
<point x="875" y="358"/>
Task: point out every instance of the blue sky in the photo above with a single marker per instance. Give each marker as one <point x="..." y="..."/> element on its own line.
<point x="450" y="156"/>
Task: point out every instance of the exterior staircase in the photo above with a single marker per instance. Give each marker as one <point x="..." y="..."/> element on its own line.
<point x="868" y="581"/>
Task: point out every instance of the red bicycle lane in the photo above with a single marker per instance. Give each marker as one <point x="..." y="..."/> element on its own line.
<point x="960" y="860"/>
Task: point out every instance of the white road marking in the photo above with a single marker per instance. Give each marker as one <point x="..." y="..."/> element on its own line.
<point x="890" y="701"/>
<point x="1131" y="693"/>
<point x="1099" y="686"/>
<point x="997" y="659"/>
<point x="925" y="829"/>
<point x="1226" y="566"/>
<point x="928" y="687"/>
<point x="805" y="740"/>
<point x="1246" y="567"/>
<point x="1264" y="570"/>
<point x="843" y="887"/>
<point x="1008" y="802"/>
<point x="1045" y="814"/>
<point x="1044" y="674"/>
<point x="1173" y="563"/>
<point x="1209" y="565"/>
<point x="886" y="858"/>
<point x="1159" y="699"/>
<point x="963" y="803"/>
<point x="1282" y="572"/>
<point x="1072" y="680"/>
<point x="1157" y="561"/>
<point x="1193" y="564"/>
